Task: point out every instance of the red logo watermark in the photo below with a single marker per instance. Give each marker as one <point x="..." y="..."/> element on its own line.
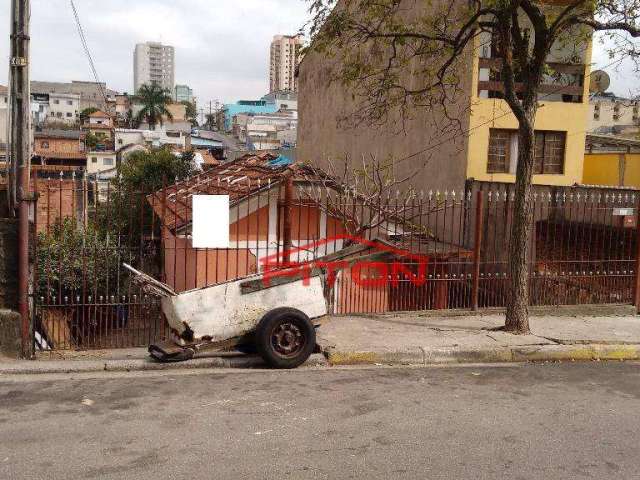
<point x="366" y="269"/>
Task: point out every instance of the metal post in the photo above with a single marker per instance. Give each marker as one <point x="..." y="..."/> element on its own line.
<point x="637" y="285"/>
<point x="475" y="288"/>
<point x="20" y="152"/>
<point x="288" y="214"/>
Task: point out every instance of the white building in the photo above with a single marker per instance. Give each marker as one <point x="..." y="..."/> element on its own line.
<point x="266" y="131"/>
<point x="283" y="100"/>
<point x="285" y="57"/>
<point x="64" y="107"/>
<point x="150" y="138"/>
<point x="100" y="161"/>
<point x="609" y="114"/>
<point x="154" y="63"/>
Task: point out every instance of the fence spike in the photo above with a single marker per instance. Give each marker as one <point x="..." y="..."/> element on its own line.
<point x="489" y="196"/>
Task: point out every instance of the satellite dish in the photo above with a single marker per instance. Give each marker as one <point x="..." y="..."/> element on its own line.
<point x="599" y="81"/>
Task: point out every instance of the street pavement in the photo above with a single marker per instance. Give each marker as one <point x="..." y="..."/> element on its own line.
<point x="516" y="421"/>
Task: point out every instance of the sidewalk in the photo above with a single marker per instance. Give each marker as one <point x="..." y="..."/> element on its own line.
<point x="128" y="360"/>
<point x="419" y="338"/>
<point x="430" y="339"/>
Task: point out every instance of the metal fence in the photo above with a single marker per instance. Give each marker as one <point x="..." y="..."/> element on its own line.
<point x="583" y="251"/>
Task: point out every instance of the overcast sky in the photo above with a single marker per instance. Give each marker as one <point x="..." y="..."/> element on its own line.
<point x="222" y="46"/>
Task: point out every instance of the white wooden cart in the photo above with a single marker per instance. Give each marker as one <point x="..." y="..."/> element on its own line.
<point x="277" y="315"/>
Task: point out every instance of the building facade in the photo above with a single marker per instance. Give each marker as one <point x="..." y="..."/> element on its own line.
<point x="183" y="93"/>
<point x="612" y="161"/>
<point x="92" y="94"/>
<point x="431" y="151"/>
<point x="59" y="147"/>
<point x="64" y="108"/>
<point x="609" y="114"/>
<point x="285" y="57"/>
<point x="154" y="63"/>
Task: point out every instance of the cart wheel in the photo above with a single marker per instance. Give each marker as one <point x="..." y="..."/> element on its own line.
<point x="285" y="337"/>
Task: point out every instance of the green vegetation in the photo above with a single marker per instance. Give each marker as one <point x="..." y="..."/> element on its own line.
<point x="154" y="100"/>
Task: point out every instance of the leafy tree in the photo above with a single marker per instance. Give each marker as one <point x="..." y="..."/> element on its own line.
<point x="210" y="120"/>
<point x="75" y="261"/>
<point x="84" y="114"/>
<point x="191" y="112"/>
<point x="376" y="42"/>
<point x="154" y="100"/>
<point x="91" y="141"/>
<point x="147" y="171"/>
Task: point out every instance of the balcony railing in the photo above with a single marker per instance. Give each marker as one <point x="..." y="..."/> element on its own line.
<point x="576" y="88"/>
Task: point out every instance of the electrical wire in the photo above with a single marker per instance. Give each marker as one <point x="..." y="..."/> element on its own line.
<point x="85" y="46"/>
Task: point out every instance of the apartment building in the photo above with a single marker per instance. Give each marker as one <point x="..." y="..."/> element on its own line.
<point x="154" y="63"/>
<point x="609" y="114"/>
<point x="285" y="57"/>
<point x="435" y="153"/>
<point x="183" y="93"/>
<point x="64" y="108"/>
<point x="92" y="94"/>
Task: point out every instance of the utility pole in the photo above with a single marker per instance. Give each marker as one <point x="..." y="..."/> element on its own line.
<point x="20" y="151"/>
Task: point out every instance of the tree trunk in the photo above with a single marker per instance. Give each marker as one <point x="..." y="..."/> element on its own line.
<point x="517" y="318"/>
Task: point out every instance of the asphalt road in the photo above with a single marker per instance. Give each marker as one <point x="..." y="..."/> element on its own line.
<point x="518" y="422"/>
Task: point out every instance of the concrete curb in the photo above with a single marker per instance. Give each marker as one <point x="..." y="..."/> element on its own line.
<point x="452" y="355"/>
<point x="27" y="367"/>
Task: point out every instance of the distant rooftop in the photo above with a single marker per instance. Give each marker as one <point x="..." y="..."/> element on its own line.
<point x="54" y="133"/>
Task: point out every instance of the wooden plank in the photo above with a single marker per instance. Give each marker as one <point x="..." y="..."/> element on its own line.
<point x="56" y="327"/>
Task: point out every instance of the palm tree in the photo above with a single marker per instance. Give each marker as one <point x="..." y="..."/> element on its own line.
<point x="154" y="100"/>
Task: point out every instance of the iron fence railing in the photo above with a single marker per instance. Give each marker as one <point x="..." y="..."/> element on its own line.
<point x="583" y="250"/>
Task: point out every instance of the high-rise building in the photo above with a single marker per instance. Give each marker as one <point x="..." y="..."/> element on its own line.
<point x="153" y="63"/>
<point x="285" y="56"/>
<point x="183" y="93"/>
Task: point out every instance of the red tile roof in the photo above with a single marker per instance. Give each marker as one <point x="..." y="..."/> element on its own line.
<point x="238" y="179"/>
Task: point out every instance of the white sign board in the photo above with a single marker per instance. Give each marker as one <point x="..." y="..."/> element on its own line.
<point x="623" y="212"/>
<point x="210" y="221"/>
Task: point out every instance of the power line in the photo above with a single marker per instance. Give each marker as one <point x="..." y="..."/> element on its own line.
<point x="83" y="40"/>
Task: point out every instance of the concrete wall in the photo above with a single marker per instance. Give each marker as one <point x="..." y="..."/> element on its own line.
<point x="419" y="143"/>
<point x="615" y="169"/>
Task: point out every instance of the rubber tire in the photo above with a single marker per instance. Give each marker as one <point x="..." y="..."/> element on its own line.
<point x="263" y="337"/>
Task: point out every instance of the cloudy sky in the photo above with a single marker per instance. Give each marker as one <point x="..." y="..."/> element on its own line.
<point x="222" y="46"/>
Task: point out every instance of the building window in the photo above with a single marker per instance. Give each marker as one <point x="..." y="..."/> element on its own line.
<point x="69" y="102"/>
<point x="94" y="159"/>
<point x="69" y="114"/>
<point x="107" y="161"/>
<point x="499" y="151"/>
<point x="549" y="153"/>
<point x="56" y="102"/>
<point x="59" y="114"/>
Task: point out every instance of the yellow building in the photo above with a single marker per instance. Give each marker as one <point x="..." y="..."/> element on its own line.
<point x="611" y="161"/>
<point x="484" y="144"/>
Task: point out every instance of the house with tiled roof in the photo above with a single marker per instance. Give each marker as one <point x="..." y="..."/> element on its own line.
<point x="261" y="188"/>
